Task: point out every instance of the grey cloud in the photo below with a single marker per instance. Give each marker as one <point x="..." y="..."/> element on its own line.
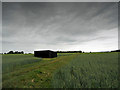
<point x="61" y="1"/>
<point x="56" y="23"/>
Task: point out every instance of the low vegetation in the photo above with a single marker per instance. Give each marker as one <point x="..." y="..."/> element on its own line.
<point x="11" y="62"/>
<point x="89" y="71"/>
<point x="37" y="74"/>
<point x="68" y="70"/>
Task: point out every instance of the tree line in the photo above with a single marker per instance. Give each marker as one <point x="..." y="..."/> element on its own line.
<point x="15" y="52"/>
<point x="69" y="52"/>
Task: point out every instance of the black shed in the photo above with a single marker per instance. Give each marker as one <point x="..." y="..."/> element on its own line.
<point x="45" y="54"/>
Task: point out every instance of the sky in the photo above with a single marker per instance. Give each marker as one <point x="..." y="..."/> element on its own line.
<point x="60" y="0"/>
<point x="0" y="29"/>
<point x="87" y="26"/>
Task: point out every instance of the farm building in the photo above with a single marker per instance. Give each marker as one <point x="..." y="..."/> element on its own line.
<point x="45" y="54"/>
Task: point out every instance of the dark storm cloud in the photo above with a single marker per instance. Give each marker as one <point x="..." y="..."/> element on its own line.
<point x="60" y="1"/>
<point x="56" y="23"/>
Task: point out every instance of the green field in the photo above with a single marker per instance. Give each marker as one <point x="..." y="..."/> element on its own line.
<point x="68" y="70"/>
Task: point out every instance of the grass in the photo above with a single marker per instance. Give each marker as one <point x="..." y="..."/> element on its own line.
<point x="68" y="70"/>
<point x="89" y="71"/>
<point x="36" y="74"/>
<point x="11" y="62"/>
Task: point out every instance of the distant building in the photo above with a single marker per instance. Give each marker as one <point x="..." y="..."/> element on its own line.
<point x="45" y="54"/>
<point x="116" y="50"/>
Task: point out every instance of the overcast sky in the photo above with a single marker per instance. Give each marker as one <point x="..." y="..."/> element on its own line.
<point x="60" y="26"/>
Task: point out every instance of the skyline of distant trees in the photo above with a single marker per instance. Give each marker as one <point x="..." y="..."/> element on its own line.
<point x="22" y="52"/>
<point x="15" y="52"/>
<point x="69" y="51"/>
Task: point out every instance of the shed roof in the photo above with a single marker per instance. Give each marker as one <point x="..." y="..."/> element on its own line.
<point x="44" y="50"/>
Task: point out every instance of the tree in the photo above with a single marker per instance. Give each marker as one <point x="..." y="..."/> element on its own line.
<point x="10" y="52"/>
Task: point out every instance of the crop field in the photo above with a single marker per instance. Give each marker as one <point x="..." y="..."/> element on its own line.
<point x="89" y="71"/>
<point x="27" y="71"/>
<point x="68" y="70"/>
<point x="11" y="62"/>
